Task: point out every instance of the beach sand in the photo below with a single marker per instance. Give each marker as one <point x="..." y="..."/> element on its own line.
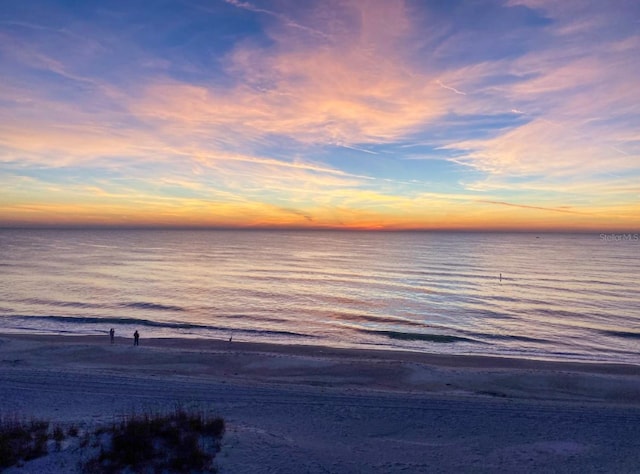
<point x="298" y="409"/>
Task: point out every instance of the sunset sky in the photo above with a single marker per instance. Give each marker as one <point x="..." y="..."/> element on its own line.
<point x="512" y="114"/>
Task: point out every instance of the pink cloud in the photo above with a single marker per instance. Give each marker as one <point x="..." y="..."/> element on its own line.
<point x="356" y="88"/>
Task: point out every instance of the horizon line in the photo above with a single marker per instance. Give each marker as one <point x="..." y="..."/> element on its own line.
<point x="317" y="229"/>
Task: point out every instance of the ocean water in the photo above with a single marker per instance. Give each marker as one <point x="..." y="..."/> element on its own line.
<point x="561" y="296"/>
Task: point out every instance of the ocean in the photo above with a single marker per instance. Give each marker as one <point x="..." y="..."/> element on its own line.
<point x="541" y="296"/>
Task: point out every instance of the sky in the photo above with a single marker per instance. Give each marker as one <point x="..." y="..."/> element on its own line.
<point x="349" y="114"/>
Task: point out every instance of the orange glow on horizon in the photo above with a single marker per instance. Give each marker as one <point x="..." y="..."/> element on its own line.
<point x="463" y="217"/>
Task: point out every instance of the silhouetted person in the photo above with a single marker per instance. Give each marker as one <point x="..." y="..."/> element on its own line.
<point x="136" y="338"/>
<point x="112" y="335"/>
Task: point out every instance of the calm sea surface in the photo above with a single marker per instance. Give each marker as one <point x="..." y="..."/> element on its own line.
<point x="562" y="296"/>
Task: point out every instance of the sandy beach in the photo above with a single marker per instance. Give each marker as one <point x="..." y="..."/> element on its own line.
<point x="317" y="409"/>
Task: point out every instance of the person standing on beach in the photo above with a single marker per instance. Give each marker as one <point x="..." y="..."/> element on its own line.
<point x="112" y="335"/>
<point x="136" y="338"/>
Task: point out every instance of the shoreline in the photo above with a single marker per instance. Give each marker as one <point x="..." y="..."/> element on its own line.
<point x="329" y="367"/>
<point x="400" y="355"/>
<point x="435" y="347"/>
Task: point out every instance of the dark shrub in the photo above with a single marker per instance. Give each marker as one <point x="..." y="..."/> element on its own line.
<point x="163" y="443"/>
<point x="21" y="440"/>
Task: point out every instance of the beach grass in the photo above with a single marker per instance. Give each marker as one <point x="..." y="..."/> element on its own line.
<point x="180" y="441"/>
<point x="22" y="440"/>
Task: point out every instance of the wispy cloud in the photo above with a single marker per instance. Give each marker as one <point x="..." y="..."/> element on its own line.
<point x="453" y="89"/>
<point x="286" y="20"/>
<point x="539" y="208"/>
